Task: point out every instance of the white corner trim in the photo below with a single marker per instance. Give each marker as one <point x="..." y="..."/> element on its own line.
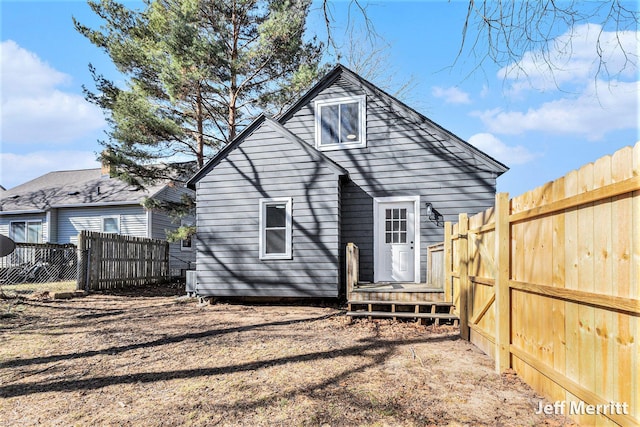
<point x="416" y="208"/>
<point x="149" y="224"/>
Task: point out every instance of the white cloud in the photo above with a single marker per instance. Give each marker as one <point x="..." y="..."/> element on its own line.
<point x="20" y="168"/>
<point x="485" y="91"/>
<point x="499" y="150"/>
<point x="34" y="109"/>
<point x="451" y="95"/>
<point x="573" y="59"/>
<point x="614" y="106"/>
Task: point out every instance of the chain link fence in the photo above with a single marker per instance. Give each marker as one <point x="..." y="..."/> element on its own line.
<point x="38" y="267"/>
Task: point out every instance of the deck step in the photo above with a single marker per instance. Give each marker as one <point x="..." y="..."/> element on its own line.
<point x="403" y="314"/>
<point x="419" y="310"/>
<point x="421" y="303"/>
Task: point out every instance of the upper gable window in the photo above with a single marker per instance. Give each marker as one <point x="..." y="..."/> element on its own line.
<point x="340" y="123"/>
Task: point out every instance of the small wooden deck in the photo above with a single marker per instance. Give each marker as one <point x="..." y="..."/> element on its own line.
<point x="420" y="301"/>
<point x="405" y="292"/>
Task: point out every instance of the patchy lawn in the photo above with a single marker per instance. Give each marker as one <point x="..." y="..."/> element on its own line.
<point x="122" y="360"/>
<point x="25" y="289"/>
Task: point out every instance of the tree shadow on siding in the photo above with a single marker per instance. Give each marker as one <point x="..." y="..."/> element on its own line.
<point x="298" y="276"/>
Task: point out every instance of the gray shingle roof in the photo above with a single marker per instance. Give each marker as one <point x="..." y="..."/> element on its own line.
<point x="73" y="187"/>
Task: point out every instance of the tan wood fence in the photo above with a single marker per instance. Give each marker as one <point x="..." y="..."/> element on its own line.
<point x="548" y="284"/>
<point x="110" y="261"/>
<point x="435" y="265"/>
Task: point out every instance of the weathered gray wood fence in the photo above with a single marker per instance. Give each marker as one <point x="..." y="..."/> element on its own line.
<point x="111" y="261"/>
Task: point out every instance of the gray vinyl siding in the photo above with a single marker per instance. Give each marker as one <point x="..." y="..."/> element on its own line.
<point x="179" y="259"/>
<point x="267" y="165"/>
<point x="405" y="156"/>
<point x="133" y="221"/>
<point x="7" y="219"/>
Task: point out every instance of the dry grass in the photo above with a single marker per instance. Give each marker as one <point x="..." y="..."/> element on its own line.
<point x="24" y="289"/>
<point x="121" y="360"/>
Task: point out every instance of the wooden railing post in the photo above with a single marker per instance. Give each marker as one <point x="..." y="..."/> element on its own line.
<point x="448" y="265"/>
<point x="352" y="263"/>
<point x="463" y="270"/>
<point x="501" y="288"/>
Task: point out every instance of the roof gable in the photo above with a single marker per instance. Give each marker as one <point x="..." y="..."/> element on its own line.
<point x="418" y="119"/>
<point x="263" y="120"/>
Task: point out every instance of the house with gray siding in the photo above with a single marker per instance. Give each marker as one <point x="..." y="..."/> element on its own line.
<point x="55" y="207"/>
<point x="346" y="163"/>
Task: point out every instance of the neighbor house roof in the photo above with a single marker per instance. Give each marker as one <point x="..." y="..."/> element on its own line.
<point x="277" y="127"/>
<point x="84" y="187"/>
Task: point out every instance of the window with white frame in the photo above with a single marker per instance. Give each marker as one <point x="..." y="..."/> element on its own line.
<point x="275" y="228"/>
<point x="340" y="123"/>
<point x="26" y="231"/>
<point x="111" y="224"/>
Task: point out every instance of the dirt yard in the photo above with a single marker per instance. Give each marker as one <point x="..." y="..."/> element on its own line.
<point x="162" y="360"/>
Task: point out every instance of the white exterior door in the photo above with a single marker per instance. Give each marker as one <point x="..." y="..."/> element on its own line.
<point x="395" y="258"/>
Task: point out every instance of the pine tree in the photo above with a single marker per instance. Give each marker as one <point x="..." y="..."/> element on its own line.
<point x="195" y="72"/>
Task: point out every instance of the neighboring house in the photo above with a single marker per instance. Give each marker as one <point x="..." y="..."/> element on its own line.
<point x="346" y="163"/>
<point x="55" y="207"/>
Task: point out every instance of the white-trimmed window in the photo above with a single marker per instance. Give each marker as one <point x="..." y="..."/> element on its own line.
<point x="341" y="123"/>
<point x="275" y="228"/>
<point x="26" y="231"/>
<point x="111" y="224"/>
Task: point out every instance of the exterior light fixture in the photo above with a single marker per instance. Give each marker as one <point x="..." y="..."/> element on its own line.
<point x="434" y="215"/>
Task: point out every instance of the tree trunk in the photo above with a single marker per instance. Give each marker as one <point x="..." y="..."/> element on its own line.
<point x="233" y="87"/>
<point x="199" y="135"/>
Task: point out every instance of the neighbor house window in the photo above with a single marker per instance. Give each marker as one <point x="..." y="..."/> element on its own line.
<point x="26" y="231"/>
<point x="275" y="228"/>
<point x="340" y="123"/>
<point x="111" y="224"/>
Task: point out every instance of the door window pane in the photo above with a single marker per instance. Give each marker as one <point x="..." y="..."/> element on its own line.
<point x="395" y="225"/>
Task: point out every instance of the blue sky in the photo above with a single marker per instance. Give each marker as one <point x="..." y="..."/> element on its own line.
<point x="541" y="127"/>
